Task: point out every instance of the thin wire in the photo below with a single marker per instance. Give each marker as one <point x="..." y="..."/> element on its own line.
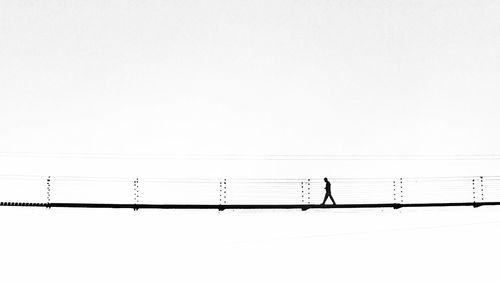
<point x="277" y="157"/>
<point x="282" y="181"/>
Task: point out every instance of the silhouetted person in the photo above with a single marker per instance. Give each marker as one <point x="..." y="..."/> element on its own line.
<point x="328" y="189"/>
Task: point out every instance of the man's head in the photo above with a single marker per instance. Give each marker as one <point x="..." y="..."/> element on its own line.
<point x="325" y="179"/>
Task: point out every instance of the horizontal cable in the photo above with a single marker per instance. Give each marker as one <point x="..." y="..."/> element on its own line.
<point x="275" y="181"/>
<point x="278" y="157"/>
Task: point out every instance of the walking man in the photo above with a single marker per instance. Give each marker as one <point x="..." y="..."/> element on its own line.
<point x="328" y="188"/>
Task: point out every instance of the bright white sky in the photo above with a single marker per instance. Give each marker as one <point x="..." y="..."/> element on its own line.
<point x="249" y="77"/>
<point x="359" y="77"/>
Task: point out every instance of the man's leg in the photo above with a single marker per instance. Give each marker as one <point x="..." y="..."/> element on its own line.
<point x="331" y="197"/>
<point x="324" y="200"/>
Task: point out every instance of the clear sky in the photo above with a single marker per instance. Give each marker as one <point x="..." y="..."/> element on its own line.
<point x="250" y="77"/>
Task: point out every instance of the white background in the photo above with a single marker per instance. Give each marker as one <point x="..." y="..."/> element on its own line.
<point x="248" y="77"/>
